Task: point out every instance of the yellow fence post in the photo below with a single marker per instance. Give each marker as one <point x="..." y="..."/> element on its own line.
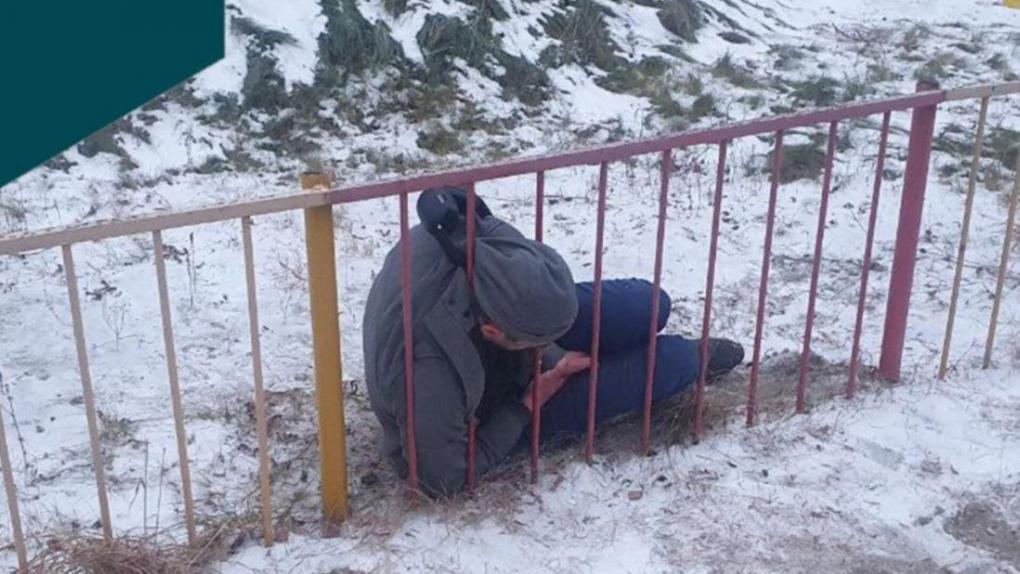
<point x="325" y="316"/>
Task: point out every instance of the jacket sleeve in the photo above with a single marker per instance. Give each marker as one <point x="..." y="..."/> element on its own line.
<point x="441" y="429"/>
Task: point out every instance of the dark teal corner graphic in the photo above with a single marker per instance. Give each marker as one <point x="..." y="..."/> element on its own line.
<point x="70" y="68"/>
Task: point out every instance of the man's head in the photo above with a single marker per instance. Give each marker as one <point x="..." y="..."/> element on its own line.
<point x="525" y="292"/>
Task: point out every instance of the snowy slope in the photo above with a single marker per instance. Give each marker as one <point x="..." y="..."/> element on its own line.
<point x="866" y="479"/>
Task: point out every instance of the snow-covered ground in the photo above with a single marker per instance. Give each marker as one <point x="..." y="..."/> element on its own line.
<point x="916" y="478"/>
<point x="875" y="486"/>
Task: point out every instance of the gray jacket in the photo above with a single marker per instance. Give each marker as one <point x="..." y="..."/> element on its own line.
<point x="449" y="377"/>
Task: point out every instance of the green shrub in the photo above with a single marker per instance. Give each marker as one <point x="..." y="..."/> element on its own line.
<point x="914" y="36"/>
<point x="734" y="37"/>
<point x="998" y="63"/>
<point x="819" y="92"/>
<point x="350" y="44"/>
<point x="881" y="73"/>
<point x="444" y="39"/>
<point x="488" y="8"/>
<point x="788" y="57"/>
<point x="1003" y="145"/>
<point x="427" y="101"/>
<point x="940" y="67"/>
<point x="584" y="38"/>
<point x="800" y="161"/>
<point x="702" y="107"/>
<point x="682" y="17"/>
<point x="665" y="106"/>
<point x="263" y="87"/>
<point x="264" y="38"/>
<point x="677" y="52"/>
<point x="630" y="78"/>
<point x="395" y="7"/>
<point x="857" y="87"/>
<point x="440" y="140"/>
<point x="522" y="79"/>
<point x="738" y="75"/>
<point x="105" y="141"/>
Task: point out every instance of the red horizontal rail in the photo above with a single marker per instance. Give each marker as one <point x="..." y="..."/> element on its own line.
<point x="20" y="243"/>
<point x="616" y="152"/>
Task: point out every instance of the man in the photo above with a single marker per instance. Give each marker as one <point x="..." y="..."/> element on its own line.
<point x="473" y="344"/>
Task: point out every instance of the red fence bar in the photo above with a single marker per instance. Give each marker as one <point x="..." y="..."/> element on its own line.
<point x="625" y="150"/>
<point x="405" y="262"/>
<point x="540" y="207"/>
<point x="777" y="168"/>
<point x="20" y="243"/>
<point x="472" y="421"/>
<point x="471" y="202"/>
<point x="665" y="167"/>
<point x="869" y="244"/>
<point x="589" y="444"/>
<point x="915" y="181"/>
<point x="536" y="370"/>
<point x="823" y="214"/>
<point x="706" y="322"/>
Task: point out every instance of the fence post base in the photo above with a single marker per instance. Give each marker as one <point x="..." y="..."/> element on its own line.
<point x="915" y="182"/>
<point x="325" y="317"/>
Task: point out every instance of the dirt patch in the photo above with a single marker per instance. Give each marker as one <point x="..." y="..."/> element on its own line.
<point x="777" y="388"/>
<point x="991" y="525"/>
<point x="809" y="556"/>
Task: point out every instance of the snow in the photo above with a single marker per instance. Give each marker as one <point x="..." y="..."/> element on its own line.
<point x="852" y="475"/>
<point x="871" y="483"/>
<point x="303" y="20"/>
<point x="176" y="141"/>
<point x="583" y="101"/>
<point x="227" y="75"/>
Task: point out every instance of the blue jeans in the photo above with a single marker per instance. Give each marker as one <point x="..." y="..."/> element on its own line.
<point x="623" y="344"/>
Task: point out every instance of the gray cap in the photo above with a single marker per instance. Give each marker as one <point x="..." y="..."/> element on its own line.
<point x="525" y="288"/>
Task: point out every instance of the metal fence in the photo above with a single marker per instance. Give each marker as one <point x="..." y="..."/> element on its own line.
<point x="318" y="197"/>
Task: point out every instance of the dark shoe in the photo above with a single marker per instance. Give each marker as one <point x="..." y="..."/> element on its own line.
<point x="723" y="356"/>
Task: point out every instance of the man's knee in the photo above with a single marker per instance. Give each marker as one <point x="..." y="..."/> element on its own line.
<point x="626" y="313"/>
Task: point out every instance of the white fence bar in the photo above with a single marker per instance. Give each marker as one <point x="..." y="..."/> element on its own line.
<point x="12" y="499"/>
<point x="175" y="386"/>
<point x="87" y="394"/>
<point x="265" y="488"/>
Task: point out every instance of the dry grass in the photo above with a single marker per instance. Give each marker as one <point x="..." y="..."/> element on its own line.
<point x="77" y="553"/>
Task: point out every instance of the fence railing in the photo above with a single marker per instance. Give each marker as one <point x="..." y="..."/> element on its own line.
<point x="319" y="195"/>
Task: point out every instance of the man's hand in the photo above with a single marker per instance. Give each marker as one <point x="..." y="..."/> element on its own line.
<point x="572" y="363"/>
<point x="550" y="382"/>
